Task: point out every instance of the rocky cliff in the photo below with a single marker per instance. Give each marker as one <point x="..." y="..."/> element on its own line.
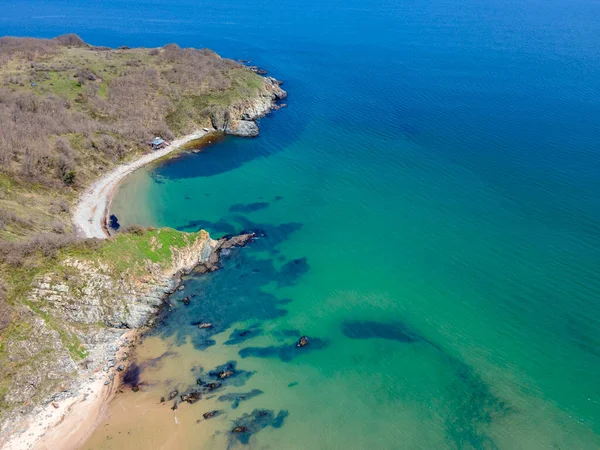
<point x="239" y="118"/>
<point x="77" y="312"/>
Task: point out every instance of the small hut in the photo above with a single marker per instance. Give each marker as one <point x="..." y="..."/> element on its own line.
<point x="158" y="143"/>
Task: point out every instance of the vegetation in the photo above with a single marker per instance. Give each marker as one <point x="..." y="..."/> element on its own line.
<point x="69" y="112"/>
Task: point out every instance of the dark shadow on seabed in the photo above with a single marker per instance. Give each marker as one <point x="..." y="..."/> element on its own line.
<point x="236" y="294"/>
<point x="475" y="406"/>
<point x="233" y="152"/>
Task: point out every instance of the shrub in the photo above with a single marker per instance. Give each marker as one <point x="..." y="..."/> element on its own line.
<point x="44" y="244"/>
<point x="137" y="230"/>
<point x="5" y="309"/>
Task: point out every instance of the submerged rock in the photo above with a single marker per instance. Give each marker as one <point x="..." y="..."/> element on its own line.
<point x="237" y="397"/>
<point x="255" y="421"/>
<point x="212" y="386"/>
<point x="173" y="394"/>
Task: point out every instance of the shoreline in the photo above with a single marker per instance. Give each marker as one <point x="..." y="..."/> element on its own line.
<point x="89" y="217"/>
<point x="68" y="423"/>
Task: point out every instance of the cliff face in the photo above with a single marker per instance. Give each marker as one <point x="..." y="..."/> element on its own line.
<point x="89" y="292"/>
<point x="76" y="314"/>
<point x="239" y="118"/>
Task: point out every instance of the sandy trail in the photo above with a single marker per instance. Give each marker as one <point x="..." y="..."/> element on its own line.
<point x="90" y="214"/>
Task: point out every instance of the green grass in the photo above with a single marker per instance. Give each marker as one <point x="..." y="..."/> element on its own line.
<point x="129" y="251"/>
<point x="63" y="84"/>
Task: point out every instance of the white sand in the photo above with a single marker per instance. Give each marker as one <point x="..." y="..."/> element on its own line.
<point x="91" y="211"/>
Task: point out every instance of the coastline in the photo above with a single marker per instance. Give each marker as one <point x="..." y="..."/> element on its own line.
<point x="69" y="420"/>
<point x="68" y="423"/>
<point x="90" y="214"/>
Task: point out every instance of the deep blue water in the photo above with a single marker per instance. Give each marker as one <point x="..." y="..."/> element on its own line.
<point x="439" y="226"/>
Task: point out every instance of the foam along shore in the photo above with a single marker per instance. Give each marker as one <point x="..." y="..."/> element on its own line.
<point x="90" y="216"/>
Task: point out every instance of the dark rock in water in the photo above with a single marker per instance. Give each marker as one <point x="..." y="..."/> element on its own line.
<point x="173" y="394"/>
<point x="292" y="384"/>
<point x="277" y="198"/>
<point x="120" y="368"/>
<point x="225" y="374"/>
<point x="236" y="241"/>
<point x="252" y="423"/>
<point x="162" y="400"/>
<point x="204" y="325"/>
<point x="302" y="342"/>
<point x="284" y="352"/>
<point x="237" y="397"/>
<point x="211" y="414"/>
<point x="213" y="386"/>
<point x="175" y="406"/>
<point x="113" y="222"/>
<point x="135" y="389"/>
<point x="186" y="301"/>
<point x="292" y="270"/>
<point x="191" y="397"/>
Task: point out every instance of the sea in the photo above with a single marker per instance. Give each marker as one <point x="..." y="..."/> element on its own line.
<point x="427" y="210"/>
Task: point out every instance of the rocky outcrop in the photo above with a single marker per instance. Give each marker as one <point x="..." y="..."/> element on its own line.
<point x="239" y="118"/>
<point x="94" y="304"/>
<point x="243" y="128"/>
<point x="91" y="293"/>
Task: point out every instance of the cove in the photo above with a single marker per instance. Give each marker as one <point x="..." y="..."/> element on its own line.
<point x="429" y="209"/>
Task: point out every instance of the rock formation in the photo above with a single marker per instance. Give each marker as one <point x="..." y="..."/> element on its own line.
<point x="240" y="118"/>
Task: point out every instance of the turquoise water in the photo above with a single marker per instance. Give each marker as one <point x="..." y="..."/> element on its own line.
<point x="431" y="213"/>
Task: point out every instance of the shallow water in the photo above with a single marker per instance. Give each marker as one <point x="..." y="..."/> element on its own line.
<point x="431" y="210"/>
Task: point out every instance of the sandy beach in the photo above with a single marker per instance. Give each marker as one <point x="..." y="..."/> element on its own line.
<point x="89" y="217"/>
<point x="68" y="423"/>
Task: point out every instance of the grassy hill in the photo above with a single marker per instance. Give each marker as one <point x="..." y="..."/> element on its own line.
<point x="68" y="113"/>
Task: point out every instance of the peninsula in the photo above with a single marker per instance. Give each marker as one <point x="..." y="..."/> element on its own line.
<point x="76" y="119"/>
